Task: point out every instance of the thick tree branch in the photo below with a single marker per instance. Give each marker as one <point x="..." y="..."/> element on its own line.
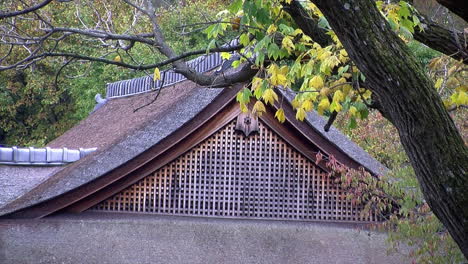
<point x="458" y="7"/>
<point x="449" y="42"/>
<point x="245" y="73"/>
<point x="309" y="25"/>
<point x="24" y="11"/>
<point x="330" y="121"/>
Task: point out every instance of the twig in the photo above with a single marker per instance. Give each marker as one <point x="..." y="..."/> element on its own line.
<point x="157" y="94"/>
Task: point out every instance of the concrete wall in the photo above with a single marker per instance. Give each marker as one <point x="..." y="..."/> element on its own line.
<point x="123" y="238"/>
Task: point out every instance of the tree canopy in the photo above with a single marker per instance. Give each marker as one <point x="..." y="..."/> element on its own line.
<point x="338" y="56"/>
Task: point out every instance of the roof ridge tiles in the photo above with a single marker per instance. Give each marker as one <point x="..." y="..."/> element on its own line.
<point x="204" y="63"/>
<point x="41" y="156"/>
<point x="146" y="83"/>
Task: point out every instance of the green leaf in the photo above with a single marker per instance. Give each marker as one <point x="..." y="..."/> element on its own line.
<point x="212" y="44"/>
<point x="408" y="24"/>
<point x="287" y="30"/>
<point x="244" y="39"/>
<point x="209" y="30"/>
<point x="260" y="59"/>
<point x="260" y="89"/>
<point x="243" y="96"/>
<point x="352" y="123"/>
<point x="323" y="23"/>
<point x="404" y="11"/>
<point x="362" y="77"/>
<point x="235" y="63"/>
<point x="235" y="6"/>
<point x="342" y="70"/>
<point x="273" y="51"/>
<point x="364" y="113"/>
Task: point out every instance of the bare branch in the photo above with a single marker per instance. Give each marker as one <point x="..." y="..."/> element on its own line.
<point x="36" y="56"/>
<point x="456" y="107"/>
<point x="24" y="11"/>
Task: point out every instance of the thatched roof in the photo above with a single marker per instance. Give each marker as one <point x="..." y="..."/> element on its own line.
<point x="120" y="134"/>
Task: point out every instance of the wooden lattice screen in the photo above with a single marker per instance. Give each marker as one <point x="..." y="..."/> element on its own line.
<point x="230" y="175"/>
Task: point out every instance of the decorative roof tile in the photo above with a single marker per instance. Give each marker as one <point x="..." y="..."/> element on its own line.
<point x="41" y="156"/>
<point x="146" y="83"/>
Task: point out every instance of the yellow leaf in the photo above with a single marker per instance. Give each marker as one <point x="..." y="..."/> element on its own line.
<point x="323" y="105"/>
<point x="311" y="96"/>
<point x="324" y="55"/>
<point x="462" y="88"/>
<point x="353" y="110"/>
<point x="278" y="79"/>
<point x="117" y="58"/>
<point x="284" y="70"/>
<point x="225" y="55"/>
<point x="347" y="75"/>
<point x="259" y="108"/>
<point x="343" y="53"/>
<point x="307" y="105"/>
<point x="306" y="38"/>
<point x="367" y="94"/>
<point x="280" y="115"/>
<point x="288" y="44"/>
<point x="460" y="98"/>
<point x="295" y="103"/>
<point x="316" y="82"/>
<point x="324" y="91"/>
<point x="243" y="108"/>
<point x="347" y="89"/>
<point x="338" y="97"/>
<point x="335" y="106"/>
<point x="272" y="28"/>
<point x="297" y="31"/>
<point x="438" y="83"/>
<point x="278" y="75"/>
<point x="273" y="69"/>
<point x="255" y="83"/>
<point x="269" y="96"/>
<point x="300" y="114"/>
<point x="157" y="74"/>
<point x="331" y="62"/>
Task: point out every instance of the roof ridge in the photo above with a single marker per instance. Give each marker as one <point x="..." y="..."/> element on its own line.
<point x="145" y="84"/>
<point x="41" y="156"/>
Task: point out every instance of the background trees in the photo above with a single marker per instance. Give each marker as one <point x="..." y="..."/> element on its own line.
<point x="340" y="56"/>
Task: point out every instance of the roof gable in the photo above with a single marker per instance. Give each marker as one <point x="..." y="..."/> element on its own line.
<point x="103" y="169"/>
<point x="231" y="175"/>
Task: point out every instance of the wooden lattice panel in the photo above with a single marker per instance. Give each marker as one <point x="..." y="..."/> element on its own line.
<point x="230" y="175"/>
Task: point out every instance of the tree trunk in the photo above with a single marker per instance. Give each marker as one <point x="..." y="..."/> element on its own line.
<point x="409" y="100"/>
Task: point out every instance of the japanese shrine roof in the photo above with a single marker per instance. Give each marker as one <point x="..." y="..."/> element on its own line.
<point x="125" y="126"/>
